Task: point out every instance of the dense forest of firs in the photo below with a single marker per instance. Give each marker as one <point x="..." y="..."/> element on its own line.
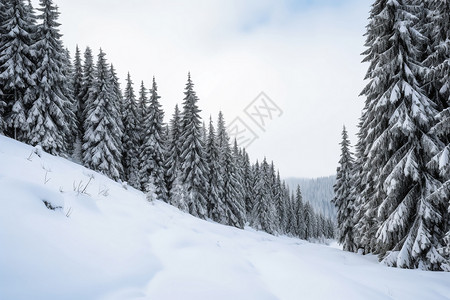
<point x="76" y="108"/>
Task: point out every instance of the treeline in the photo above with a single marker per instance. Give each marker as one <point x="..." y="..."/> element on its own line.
<point x="393" y="196"/>
<point x="76" y="108"/>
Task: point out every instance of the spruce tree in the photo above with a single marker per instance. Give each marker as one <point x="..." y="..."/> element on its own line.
<point x="143" y="103"/>
<point x="262" y="215"/>
<point x="50" y="115"/>
<point x="343" y="197"/>
<point x="151" y="155"/>
<point x="300" y="216"/>
<point x="405" y="223"/>
<point x="17" y="66"/>
<point x="232" y="196"/>
<point x="68" y="90"/>
<point x="308" y="214"/>
<point x="130" y="138"/>
<point x="192" y="158"/>
<point x="240" y="183"/>
<point x="77" y="83"/>
<point x="86" y="91"/>
<point x="216" y="207"/>
<point x="247" y="181"/>
<point x="255" y="198"/>
<point x="172" y="164"/>
<point x="102" y="136"/>
<point x="273" y="192"/>
<point x="438" y="64"/>
<point x="280" y="207"/>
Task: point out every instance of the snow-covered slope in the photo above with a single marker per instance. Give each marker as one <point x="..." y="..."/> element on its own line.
<point x="111" y="243"/>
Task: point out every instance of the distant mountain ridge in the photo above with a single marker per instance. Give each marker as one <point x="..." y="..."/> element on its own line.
<point x="317" y="191"/>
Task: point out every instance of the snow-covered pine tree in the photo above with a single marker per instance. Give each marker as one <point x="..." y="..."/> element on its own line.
<point x="308" y="214"/>
<point x="204" y="131"/>
<point x="247" y="179"/>
<point x="280" y="205"/>
<point x="101" y="146"/>
<point x="321" y="226"/>
<point x="437" y="62"/>
<point x="290" y="216"/>
<point x="300" y="216"/>
<point x="68" y="89"/>
<point x="330" y="229"/>
<point x="343" y="197"/>
<point x="396" y="145"/>
<point x="17" y="65"/>
<point x="234" y="207"/>
<point x="256" y="198"/>
<point x="371" y="125"/>
<point x="316" y="224"/>
<point x="287" y="206"/>
<point x="192" y="158"/>
<point x="262" y="215"/>
<point x="172" y="164"/>
<point x="216" y="207"/>
<point x="116" y="111"/>
<point x="85" y="93"/>
<point x="222" y="144"/>
<point x="77" y="84"/>
<point x="434" y="24"/>
<point x="274" y="192"/>
<point x="141" y="113"/>
<point x="151" y="156"/>
<point x="240" y="183"/>
<point x="232" y="196"/>
<point x="143" y="103"/>
<point x="130" y="138"/>
<point x="50" y="116"/>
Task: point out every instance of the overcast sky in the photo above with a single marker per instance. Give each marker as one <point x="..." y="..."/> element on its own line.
<point x="304" y="55"/>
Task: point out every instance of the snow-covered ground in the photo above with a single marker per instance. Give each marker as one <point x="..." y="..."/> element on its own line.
<point x="111" y="243"/>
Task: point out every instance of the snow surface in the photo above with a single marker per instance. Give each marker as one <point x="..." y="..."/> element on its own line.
<point x="111" y="243"/>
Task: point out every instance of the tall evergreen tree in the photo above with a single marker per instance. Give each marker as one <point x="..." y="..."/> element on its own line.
<point x="130" y="137"/>
<point x="86" y="91"/>
<point x="17" y="65"/>
<point x="77" y="83"/>
<point x="438" y="63"/>
<point x="262" y="215"/>
<point x="273" y="193"/>
<point x="232" y="196"/>
<point x="255" y="200"/>
<point x="50" y="115"/>
<point x="247" y="179"/>
<point x="143" y="103"/>
<point x="172" y="164"/>
<point x="308" y="214"/>
<point x="151" y="163"/>
<point x="300" y="216"/>
<point x="216" y="207"/>
<point x="280" y="206"/>
<point x="343" y="197"/>
<point x="68" y="90"/>
<point x="101" y="148"/>
<point x="397" y="117"/>
<point x="192" y="158"/>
